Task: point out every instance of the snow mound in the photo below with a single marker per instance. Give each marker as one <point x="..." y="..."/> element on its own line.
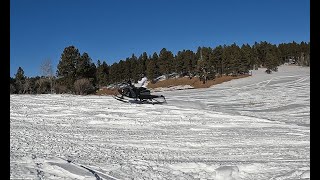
<point x="206" y="171"/>
<point x="227" y="173"/>
<point x="54" y="168"/>
<point x="305" y="175"/>
<point x="96" y="122"/>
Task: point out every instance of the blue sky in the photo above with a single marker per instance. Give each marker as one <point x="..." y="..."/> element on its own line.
<point x="112" y="30"/>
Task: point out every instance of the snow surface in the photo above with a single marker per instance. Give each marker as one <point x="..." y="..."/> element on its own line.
<point x="172" y="88"/>
<point x="250" y="128"/>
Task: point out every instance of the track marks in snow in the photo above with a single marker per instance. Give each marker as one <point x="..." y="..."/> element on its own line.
<point x="221" y="132"/>
<point x="283" y="96"/>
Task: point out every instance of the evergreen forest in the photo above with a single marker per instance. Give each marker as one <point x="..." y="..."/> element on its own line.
<point x="78" y="74"/>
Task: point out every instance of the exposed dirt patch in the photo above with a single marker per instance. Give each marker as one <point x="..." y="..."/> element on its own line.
<point x="194" y="82"/>
<point x="106" y="91"/>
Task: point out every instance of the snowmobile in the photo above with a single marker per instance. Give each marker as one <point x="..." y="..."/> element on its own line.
<point x="141" y="95"/>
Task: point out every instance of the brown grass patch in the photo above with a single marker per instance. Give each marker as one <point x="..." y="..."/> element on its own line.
<point x="194" y="82"/>
<point x="106" y="91"/>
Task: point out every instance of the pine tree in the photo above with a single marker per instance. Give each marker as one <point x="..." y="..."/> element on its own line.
<point x="151" y="70"/>
<point x="66" y="70"/>
<point x="208" y="58"/>
<point x="272" y="60"/>
<point x="20" y="80"/>
<point x="257" y="55"/>
<point x="155" y="59"/>
<point x="235" y="59"/>
<point x="179" y="59"/>
<point x="284" y="54"/>
<point x="189" y="62"/>
<point x="246" y="58"/>
<point x="114" y="73"/>
<point x="304" y="50"/>
<point x="85" y="68"/>
<point x="19" y="76"/>
<point x="218" y="59"/>
<point x="142" y="63"/>
<point x="227" y="60"/>
<point x="102" y="73"/>
<point x="123" y="71"/>
<point x="165" y="61"/>
<point x="134" y="68"/>
<point x="269" y="64"/>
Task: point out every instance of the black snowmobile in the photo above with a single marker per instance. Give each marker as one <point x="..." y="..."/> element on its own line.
<point x="141" y="95"/>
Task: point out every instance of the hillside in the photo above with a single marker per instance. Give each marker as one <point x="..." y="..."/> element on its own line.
<point x="173" y="82"/>
<point x="194" y="82"/>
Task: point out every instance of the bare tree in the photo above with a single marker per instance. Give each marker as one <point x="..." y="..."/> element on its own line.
<point x="47" y="71"/>
<point x="43" y="86"/>
<point x="27" y="86"/>
<point x="83" y="86"/>
<point x="12" y="89"/>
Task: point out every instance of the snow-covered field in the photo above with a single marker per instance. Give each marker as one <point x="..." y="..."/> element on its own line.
<point x="251" y="128"/>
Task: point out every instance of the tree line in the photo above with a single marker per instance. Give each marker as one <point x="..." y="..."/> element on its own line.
<point x="77" y="74"/>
